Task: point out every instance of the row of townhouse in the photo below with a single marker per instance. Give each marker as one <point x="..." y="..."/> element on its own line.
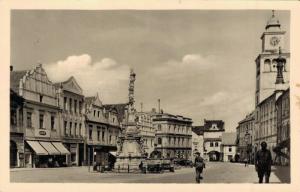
<point x="54" y="124"/>
<point x="269" y="121"/>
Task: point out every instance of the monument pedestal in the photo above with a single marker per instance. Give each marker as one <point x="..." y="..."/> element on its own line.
<point x="131" y="154"/>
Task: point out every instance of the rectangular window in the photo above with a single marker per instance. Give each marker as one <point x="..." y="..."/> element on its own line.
<point x="41" y="121"/>
<point x="98" y="113"/>
<point x="70" y="104"/>
<point x="65" y="103"/>
<point x="90" y="132"/>
<point x="75" y="129"/>
<point x="211" y="144"/>
<point x="79" y="129"/>
<point x="52" y="122"/>
<point x="216" y="144"/>
<point x="110" y="139"/>
<point x="65" y="127"/>
<point x="75" y="106"/>
<point x="70" y="129"/>
<point x="94" y="113"/>
<point x="80" y="107"/>
<point x="98" y="133"/>
<point x="229" y="149"/>
<point x="103" y="135"/>
<point x="29" y="122"/>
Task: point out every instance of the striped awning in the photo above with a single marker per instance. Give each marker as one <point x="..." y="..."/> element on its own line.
<point x="36" y="146"/>
<point x="50" y="148"/>
<point x="61" y="148"/>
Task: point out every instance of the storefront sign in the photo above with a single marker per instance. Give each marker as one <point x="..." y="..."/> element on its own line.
<point x="42" y="133"/>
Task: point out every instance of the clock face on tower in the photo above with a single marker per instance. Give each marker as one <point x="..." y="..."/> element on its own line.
<point x="274" y="41"/>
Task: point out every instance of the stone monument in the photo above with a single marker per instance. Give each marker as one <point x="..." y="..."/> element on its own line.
<point x="130" y="149"/>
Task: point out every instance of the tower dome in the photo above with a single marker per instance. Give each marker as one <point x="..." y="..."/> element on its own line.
<point x="273" y="22"/>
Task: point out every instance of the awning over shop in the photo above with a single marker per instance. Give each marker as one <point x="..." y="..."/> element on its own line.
<point x="50" y="148"/>
<point x="36" y="146"/>
<point x="114" y="153"/>
<point x="61" y="148"/>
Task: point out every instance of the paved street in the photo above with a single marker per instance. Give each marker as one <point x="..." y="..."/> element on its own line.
<point x="214" y="173"/>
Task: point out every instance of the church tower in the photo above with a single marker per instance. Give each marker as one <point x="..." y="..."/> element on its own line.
<point x="273" y="39"/>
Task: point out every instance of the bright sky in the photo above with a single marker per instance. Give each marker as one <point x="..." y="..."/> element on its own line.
<point x="200" y="64"/>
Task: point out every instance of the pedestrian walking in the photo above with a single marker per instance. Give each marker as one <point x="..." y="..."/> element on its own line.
<point x="263" y="163"/>
<point x="199" y="165"/>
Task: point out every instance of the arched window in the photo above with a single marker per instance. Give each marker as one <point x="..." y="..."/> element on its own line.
<point x="274" y="64"/>
<point x="267" y="65"/>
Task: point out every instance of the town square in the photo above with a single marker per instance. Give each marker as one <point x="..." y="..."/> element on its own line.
<point x="127" y="96"/>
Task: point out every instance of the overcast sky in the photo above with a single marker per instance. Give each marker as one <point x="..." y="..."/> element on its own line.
<point x="199" y="63"/>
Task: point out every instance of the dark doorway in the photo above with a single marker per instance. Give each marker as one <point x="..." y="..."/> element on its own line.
<point x="13" y="154"/>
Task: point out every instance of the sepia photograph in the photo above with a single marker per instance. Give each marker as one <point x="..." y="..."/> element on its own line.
<point x="150" y="96"/>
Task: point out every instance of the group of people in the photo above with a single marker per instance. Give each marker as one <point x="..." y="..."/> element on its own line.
<point x="263" y="163"/>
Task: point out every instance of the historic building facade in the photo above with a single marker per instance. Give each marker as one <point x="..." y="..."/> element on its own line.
<point x="147" y="130"/>
<point x="197" y="140"/>
<point x="213" y="130"/>
<point x="103" y="131"/>
<point x="228" y="146"/>
<point x="282" y="148"/>
<point x="41" y="118"/>
<point x="245" y="138"/>
<point x="71" y="103"/>
<point x="273" y="39"/>
<point x="16" y="130"/>
<point x="173" y="136"/>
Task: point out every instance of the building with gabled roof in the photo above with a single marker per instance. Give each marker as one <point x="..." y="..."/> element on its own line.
<point x="228" y="146"/>
<point x="103" y="131"/>
<point x="71" y="102"/>
<point x="41" y="118"/>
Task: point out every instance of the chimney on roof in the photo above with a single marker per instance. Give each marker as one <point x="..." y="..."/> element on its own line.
<point x="153" y="110"/>
<point x="158" y="105"/>
<point x="11" y="68"/>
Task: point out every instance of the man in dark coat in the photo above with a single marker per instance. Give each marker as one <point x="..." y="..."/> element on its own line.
<point x="263" y="162"/>
<point x="199" y="165"/>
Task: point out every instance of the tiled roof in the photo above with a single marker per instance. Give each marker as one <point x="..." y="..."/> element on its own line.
<point x="120" y="108"/>
<point x="228" y="138"/>
<point x="199" y="130"/>
<point x="15" y="77"/>
<point x="208" y="124"/>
